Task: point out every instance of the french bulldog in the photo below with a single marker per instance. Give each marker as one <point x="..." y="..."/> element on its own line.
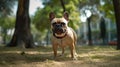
<point x="63" y="35"/>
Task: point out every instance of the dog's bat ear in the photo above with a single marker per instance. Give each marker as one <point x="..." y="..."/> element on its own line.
<point x="51" y="16"/>
<point x="66" y="16"/>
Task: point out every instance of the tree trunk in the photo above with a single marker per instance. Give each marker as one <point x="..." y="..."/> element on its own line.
<point x="63" y="5"/>
<point x="103" y="30"/>
<point x="116" y="4"/>
<point x="22" y="34"/>
<point x="4" y="36"/>
<point x="89" y="32"/>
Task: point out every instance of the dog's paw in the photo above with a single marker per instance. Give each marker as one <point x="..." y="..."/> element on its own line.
<point x="75" y="58"/>
<point x="76" y="55"/>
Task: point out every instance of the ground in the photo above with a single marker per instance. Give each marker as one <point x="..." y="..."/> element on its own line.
<point x="88" y="56"/>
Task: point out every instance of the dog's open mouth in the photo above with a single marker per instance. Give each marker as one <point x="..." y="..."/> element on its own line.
<point x="59" y="33"/>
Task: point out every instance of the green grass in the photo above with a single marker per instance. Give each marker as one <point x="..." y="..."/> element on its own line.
<point x="88" y="56"/>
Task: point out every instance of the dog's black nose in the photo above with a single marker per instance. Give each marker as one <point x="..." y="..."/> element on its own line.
<point x="57" y="25"/>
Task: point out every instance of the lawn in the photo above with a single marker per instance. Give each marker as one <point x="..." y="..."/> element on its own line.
<point x="88" y="56"/>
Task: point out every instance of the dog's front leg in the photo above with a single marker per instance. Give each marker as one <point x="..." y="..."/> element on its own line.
<point x="63" y="50"/>
<point x="55" y="50"/>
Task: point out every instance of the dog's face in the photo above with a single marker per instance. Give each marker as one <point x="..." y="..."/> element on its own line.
<point x="59" y="25"/>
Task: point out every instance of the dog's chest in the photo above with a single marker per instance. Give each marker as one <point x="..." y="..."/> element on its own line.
<point x="62" y="42"/>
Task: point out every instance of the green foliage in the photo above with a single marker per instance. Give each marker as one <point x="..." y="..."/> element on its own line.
<point x="108" y="9"/>
<point x="38" y="35"/>
<point x="41" y="19"/>
<point x="74" y="14"/>
<point x="7" y="22"/>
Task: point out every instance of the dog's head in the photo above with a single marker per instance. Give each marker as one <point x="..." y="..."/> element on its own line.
<point x="59" y="25"/>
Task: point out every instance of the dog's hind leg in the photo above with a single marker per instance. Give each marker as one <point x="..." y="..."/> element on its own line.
<point x="63" y="51"/>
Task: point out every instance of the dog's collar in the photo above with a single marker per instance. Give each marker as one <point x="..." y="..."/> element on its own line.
<point x="61" y="36"/>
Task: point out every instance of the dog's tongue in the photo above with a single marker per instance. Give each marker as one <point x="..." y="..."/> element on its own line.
<point x="58" y="32"/>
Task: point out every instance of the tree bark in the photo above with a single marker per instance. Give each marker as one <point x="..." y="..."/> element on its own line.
<point x="116" y="4"/>
<point x="22" y="34"/>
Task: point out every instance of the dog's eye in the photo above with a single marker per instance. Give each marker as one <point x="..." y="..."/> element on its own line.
<point x="62" y="23"/>
<point x="54" y="24"/>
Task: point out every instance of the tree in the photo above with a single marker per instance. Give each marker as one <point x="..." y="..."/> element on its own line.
<point x="116" y="4"/>
<point x="92" y="7"/>
<point x="89" y="31"/>
<point x="102" y="29"/>
<point x="22" y="34"/>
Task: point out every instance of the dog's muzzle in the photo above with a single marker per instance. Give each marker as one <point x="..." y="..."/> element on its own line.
<point x="58" y="30"/>
<point x="59" y="33"/>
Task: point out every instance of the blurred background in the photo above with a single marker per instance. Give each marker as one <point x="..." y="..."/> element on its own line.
<point x="93" y="20"/>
